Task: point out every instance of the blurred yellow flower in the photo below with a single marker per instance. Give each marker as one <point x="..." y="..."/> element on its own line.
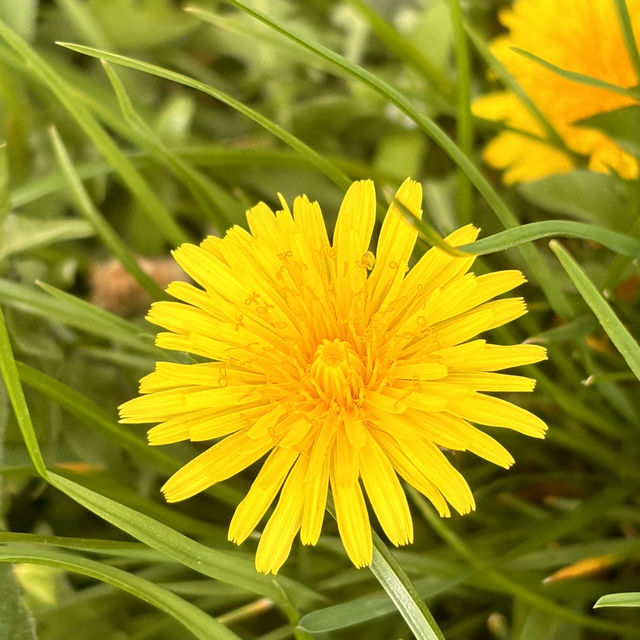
<point x="578" y="35"/>
<point x="344" y="369"/>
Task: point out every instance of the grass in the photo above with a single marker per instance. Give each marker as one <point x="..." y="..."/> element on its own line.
<point x="149" y="125"/>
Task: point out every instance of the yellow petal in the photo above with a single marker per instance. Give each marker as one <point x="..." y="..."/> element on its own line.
<point x="385" y="493"/>
<point x="276" y="540"/>
<point x="223" y="460"/>
<point x="261" y="494"/>
<point x="495" y="412"/>
<point x="357" y="215"/>
<point x="353" y="519"/>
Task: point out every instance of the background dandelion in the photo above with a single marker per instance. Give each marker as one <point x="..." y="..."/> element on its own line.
<point x="162" y="126"/>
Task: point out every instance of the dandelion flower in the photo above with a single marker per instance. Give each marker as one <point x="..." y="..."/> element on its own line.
<point x="347" y="371"/>
<point x="578" y="35"/>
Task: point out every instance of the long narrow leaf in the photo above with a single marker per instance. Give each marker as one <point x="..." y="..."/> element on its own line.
<point x="198" y="622"/>
<point x="620" y="336"/>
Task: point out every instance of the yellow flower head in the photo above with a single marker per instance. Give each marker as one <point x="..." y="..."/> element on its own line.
<point x="343" y="369"/>
<point x="578" y="35"/>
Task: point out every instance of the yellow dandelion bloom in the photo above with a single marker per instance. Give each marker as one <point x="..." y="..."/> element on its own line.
<point x="345" y="370"/>
<point x="578" y="35"/>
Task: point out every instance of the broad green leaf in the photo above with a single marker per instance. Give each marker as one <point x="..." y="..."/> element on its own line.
<point x="223" y="566"/>
<point x="16" y="622"/>
<point x="631" y="599"/>
<point x="580" y="78"/>
<point x="197" y="621"/>
<point x="617" y="332"/>
<point x="157" y="213"/>
<point x="22" y="233"/>
<point x="618" y="242"/>
<point x="622" y="125"/>
<point x="105" y="231"/>
<point x="593" y="197"/>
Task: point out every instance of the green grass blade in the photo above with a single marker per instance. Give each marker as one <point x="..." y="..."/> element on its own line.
<point x="631" y="599"/>
<point x="464" y="121"/>
<point x="376" y="605"/>
<point x="580" y="78"/>
<point x="197" y="621"/>
<point x="402" y="47"/>
<point x="157" y="213"/>
<point x="118" y="548"/>
<point x="618" y="242"/>
<point x="213" y="201"/>
<point x="403" y="594"/>
<point x="21" y="233"/>
<point x="617" y="332"/>
<point x="9" y="373"/>
<point x="627" y="33"/>
<point x="538" y="267"/>
<point x="335" y="174"/>
<point x="104" y="230"/>
<point x="551" y="135"/>
<point x="72" y="312"/>
<point x="223" y="566"/>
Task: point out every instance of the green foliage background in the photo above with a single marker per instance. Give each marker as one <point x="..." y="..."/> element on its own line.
<point x="189" y="119"/>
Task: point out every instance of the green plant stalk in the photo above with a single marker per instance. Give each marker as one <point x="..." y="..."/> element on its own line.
<point x="627" y="33"/>
<point x="464" y="121"/>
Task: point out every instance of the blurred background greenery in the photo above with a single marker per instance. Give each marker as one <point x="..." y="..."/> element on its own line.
<point x="102" y="161"/>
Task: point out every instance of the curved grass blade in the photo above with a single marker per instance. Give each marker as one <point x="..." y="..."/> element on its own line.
<point x="627" y="33"/>
<point x="9" y="373"/>
<point x="205" y="193"/>
<point x="617" y="332"/>
<point x="104" y="230"/>
<point x="618" y="242"/>
<point x="580" y="78"/>
<point x="630" y="599"/>
<point x="198" y="622"/>
<point x="335" y="174"/>
<point x="534" y="261"/>
<point x="224" y="566"/>
<point x="158" y="214"/>
<point x="551" y="135"/>
<point x="5" y="201"/>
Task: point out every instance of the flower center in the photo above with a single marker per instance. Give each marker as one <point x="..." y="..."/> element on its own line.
<point x="338" y="371"/>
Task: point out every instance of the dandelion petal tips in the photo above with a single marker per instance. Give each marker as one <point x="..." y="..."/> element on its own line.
<point x="341" y="370"/>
